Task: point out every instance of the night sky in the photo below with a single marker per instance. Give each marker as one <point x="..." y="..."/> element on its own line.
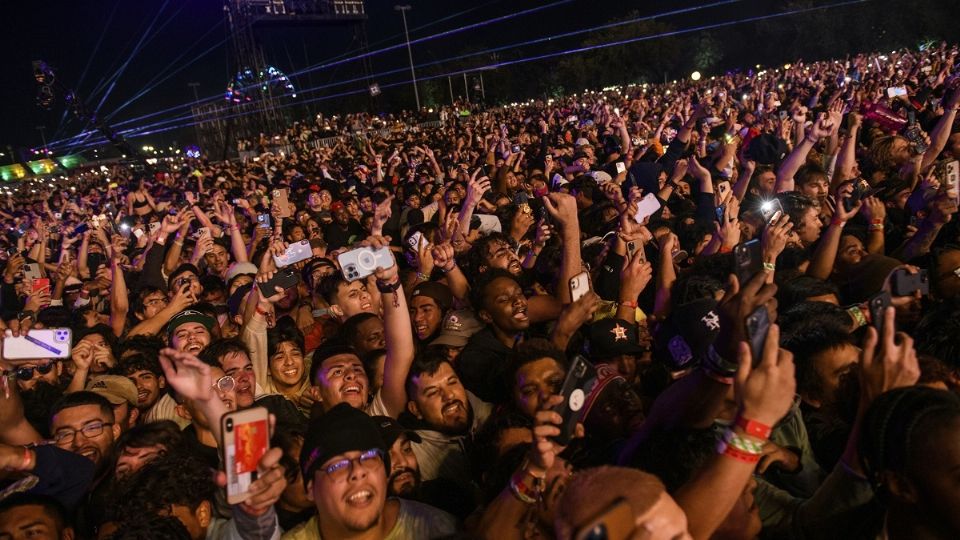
<point x="66" y="34"/>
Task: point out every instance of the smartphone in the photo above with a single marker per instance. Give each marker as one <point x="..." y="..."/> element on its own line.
<point x="748" y="260"/>
<point x="877" y="304"/>
<point x="913" y="134"/>
<point x="784" y="115"/>
<point x="281" y="198"/>
<point x="579" y="382"/>
<point x="31" y="271"/>
<point x="896" y="91"/>
<point x="903" y="283"/>
<point x="647" y="206"/>
<point x="621" y="167"/>
<point x="263" y="221"/>
<point x="153" y="227"/>
<point x="579" y="286"/>
<point x="719" y="213"/>
<point x="634" y="247"/>
<point x="771" y="210"/>
<point x="615" y="522"/>
<point x="285" y="279"/>
<point x="201" y="232"/>
<point x="758" y="324"/>
<point x="246" y="438"/>
<point x="296" y="252"/>
<point x="80" y="229"/>
<point x="41" y="343"/>
<point x="364" y="261"/>
<point x="488" y="224"/>
<point x="58" y="215"/>
<point x="515" y="149"/>
<point x="138" y="233"/>
<point x="949" y="172"/>
<point x="41" y="283"/>
<point x="414" y="241"/>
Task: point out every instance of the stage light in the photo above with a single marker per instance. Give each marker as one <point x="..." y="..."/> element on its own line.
<point x="695" y="75"/>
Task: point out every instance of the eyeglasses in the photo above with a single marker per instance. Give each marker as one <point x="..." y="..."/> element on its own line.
<point x="25" y="373"/>
<point x="225" y="384"/>
<point x="89" y="431"/>
<point x="370" y="460"/>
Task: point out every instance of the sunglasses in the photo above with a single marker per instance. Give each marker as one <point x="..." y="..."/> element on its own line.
<point x="25" y="373"/>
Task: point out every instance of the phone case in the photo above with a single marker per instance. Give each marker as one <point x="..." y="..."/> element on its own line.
<point x="263" y="221"/>
<point x="280" y="195"/>
<point x="878" y="303"/>
<point x="576" y="387"/>
<point x="296" y="252"/>
<point x="31" y="271"/>
<point x="758" y="324"/>
<point x="748" y="260"/>
<point x="579" y="286"/>
<point x="647" y="206"/>
<point x="246" y="438"/>
<point x="362" y="262"/>
<point x="615" y="522"/>
<point x="771" y="210"/>
<point x="284" y="279"/>
<point x="903" y="283"/>
<point x="44" y="343"/>
<point x="634" y="247"/>
<point x="41" y="283"/>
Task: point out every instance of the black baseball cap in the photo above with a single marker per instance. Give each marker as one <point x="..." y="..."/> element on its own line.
<point x="391" y="430"/>
<point x="340" y="430"/>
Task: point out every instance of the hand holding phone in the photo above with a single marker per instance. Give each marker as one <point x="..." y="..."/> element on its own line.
<point x="246" y="438"/>
<point x="579" y="286"/>
<point x="364" y="261"/>
<point x="579" y="382"/>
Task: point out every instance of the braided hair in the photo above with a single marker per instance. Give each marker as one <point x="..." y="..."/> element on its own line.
<point x="897" y="424"/>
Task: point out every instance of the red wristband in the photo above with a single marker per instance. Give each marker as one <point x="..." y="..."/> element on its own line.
<point x="262" y="312"/>
<point x="629" y="304"/>
<point x="753" y="428"/>
<point x="725" y="249"/>
<point x="740" y="455"/>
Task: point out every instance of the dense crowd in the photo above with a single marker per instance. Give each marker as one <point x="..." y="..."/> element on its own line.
<point x="716" y="309"/>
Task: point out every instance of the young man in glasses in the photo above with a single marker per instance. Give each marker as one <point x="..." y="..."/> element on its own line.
<point x="345" y="463"/>
<point x="83" y="423"/>
<point x="199" y="429"/>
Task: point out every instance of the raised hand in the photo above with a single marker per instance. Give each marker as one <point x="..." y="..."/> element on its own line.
<point x="765" y="392"/>
<point x="187" y="375"/>
<point x="887" y="361"/>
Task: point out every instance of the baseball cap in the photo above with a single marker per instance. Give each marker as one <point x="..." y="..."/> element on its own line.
<point x="240" y="268"/>
<point x="341" y="429"/>
<point x="613" y="337"/>
<point x="582" y="141"/>
<point x="391" y="430"/>
<point x="116" y="388"/>
<point x="438" y="291"/>
<point x="189" y="315"/>
<point x="689" y="331"/>
<point x="457" y="327"/>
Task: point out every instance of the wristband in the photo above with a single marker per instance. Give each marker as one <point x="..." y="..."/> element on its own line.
<point x="27" y="460"/>
<point x="390" y="287"/>
<point x="839" y="222"/>
<point x="769" y="267"/>
<point x="858" y="315"/>
<point x="746" y="444"/>
<point x="522" y="491"/>
<point x="421" y="277"/>
<point x="753" y="428"/>
<point x="875" y="227"/>
<point x="811" y="141"/>
<point x="262" y="312"/>
<point x="725" y="249"/>
<point x="629" y="303"/>
<point x="737" y="454"/>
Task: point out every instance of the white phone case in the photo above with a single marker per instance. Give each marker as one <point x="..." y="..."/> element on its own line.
<point x="362" y="262"/>
<point x="42" y="343"/>
<point x="296" y="252"/>
<point x="647" y="206"/>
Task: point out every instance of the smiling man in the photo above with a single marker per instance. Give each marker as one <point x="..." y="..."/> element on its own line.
<point x="345" y="463"/>
<point x="83" y="423"/>
<point x="189" y="331"/>
<point x="428" y="303"/>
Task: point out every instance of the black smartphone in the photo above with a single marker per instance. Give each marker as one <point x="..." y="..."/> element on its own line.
<point x="80" y="229"/>
<point x="748" y="260"/>
<point x="903" y="283"/>
<point x="284" y="279"/>
<point x="878" y="304"/>
<point x="758" y="324"/>
<point x="580" y="380"/>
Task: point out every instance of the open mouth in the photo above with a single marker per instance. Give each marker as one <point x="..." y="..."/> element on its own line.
<point x="454" y="407"/>
<point x="142" y="396"/>
<point x="520" y="314"/>
<point x="351" y="390"/>
<point x="361" y="498"/>
<point x="421" y="329"/>
<point x="366" y="305"/>
<point x="291" y="373"/>
<point x="90" y="453"/>
<point x="194" y="348"/>
<point x="514" y="266"/>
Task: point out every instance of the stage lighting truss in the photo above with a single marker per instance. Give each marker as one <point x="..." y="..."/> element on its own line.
<point x="243" y="87"/>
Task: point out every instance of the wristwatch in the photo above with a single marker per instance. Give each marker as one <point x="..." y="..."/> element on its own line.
<point x="26" y="314"/>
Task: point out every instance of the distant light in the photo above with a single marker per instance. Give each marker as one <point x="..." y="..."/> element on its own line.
<point x="786" y="66"/>
<point x="695" y="75"/>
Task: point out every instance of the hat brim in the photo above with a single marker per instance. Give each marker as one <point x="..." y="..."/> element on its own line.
<point x="450" y="341"/>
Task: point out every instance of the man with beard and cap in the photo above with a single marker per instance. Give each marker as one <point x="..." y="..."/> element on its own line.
<point x="345" y="464"/>
<point x="190" y="331"/>
<point x="404" y="479"/>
